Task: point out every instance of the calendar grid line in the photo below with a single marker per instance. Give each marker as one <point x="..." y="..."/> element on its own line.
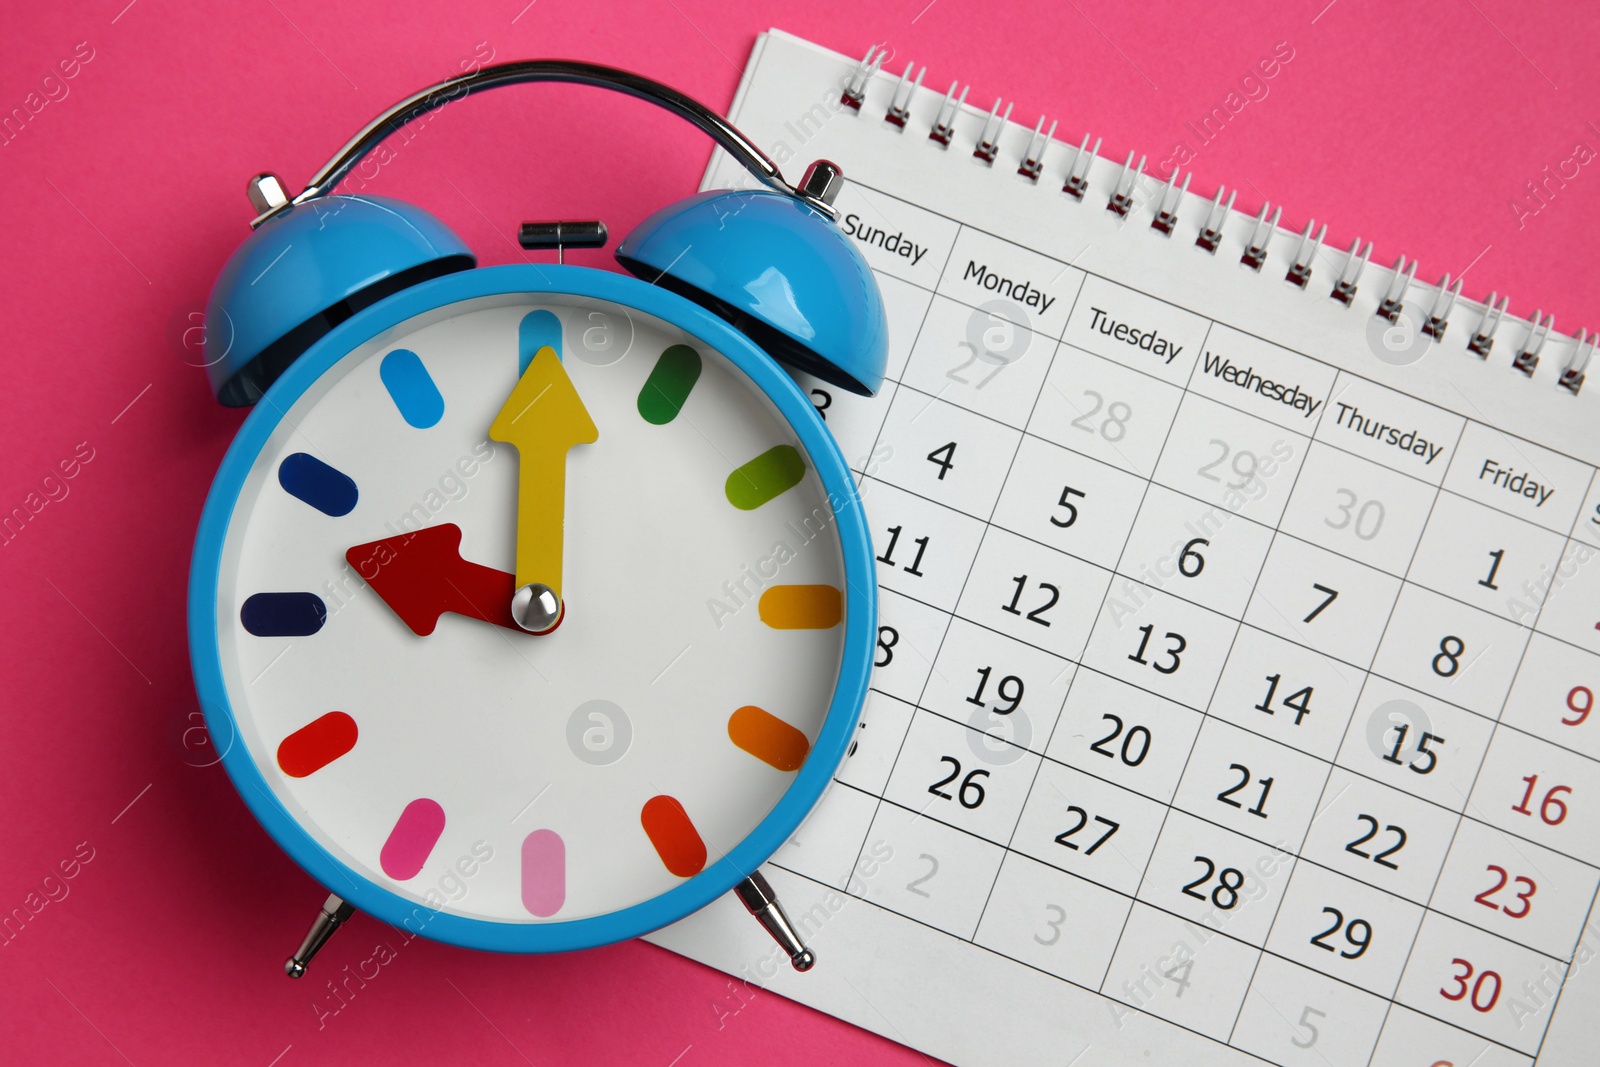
<point x="1555" y="1002"/>
<point x="1134" y="900"/>
<point x="1276" y="533"/>
<point x="1007" y="956"/>
<point x="989" y="525"/>
<point x="1426" y="906"/>
<point x="878" y="436"/>
<point x="1255" y="733"/>
<point x="1244" y="518"/>
<point x="1489" y="744"/>
<point x="1198" y="314"/>
<point x="1226" y="659"/>
<point x="1029" y="433"/>
<point x="1042" y="759"/>
<point x="1059" y="762"/>
<point x="1311" y="437"/>
<point x="1171" y="802"/>
<point x="1080" y="664"/>
<point x="950" y="616"/>
<point x="1406" y="964"/>
<point x="1167" y="434"/>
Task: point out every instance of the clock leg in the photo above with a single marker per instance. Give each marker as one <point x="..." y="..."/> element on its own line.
<point x="333" y="914"/>
<point x="758" y="897"/>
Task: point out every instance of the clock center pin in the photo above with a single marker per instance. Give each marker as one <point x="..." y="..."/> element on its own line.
<point x="537" y="608"/>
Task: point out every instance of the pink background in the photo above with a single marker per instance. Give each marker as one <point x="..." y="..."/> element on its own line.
<point x="1413" y="125"/>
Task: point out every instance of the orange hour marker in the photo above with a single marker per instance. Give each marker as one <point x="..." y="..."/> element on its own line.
<point x="676" y="840"/>
<point x="801" y="607"/>
<point x="768" y="738"/>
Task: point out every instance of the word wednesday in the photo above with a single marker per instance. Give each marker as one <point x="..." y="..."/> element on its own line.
<point x="1247" y="378"/>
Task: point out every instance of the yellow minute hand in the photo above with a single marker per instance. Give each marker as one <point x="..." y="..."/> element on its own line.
<point x="542" y="418"/>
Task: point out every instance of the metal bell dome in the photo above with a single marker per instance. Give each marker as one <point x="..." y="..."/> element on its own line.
<point x="779" y="271"/>
<point x="307" y="269"/>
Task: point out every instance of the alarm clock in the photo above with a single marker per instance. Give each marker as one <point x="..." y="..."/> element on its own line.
<point x="533" y="607"/>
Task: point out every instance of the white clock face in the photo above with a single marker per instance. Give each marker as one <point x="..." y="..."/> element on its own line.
<point x="503" y="775"/>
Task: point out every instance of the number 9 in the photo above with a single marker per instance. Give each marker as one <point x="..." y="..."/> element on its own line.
<point x="1580" y="701"/>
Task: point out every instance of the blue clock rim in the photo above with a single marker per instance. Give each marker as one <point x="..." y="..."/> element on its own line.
<point x="793" y="806"/>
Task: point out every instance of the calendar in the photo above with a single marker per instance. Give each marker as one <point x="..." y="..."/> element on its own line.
<point x="1238" y="637"/>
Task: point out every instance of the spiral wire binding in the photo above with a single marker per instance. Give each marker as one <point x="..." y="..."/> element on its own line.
<point x="1211" y="233"/>
<point x="1439" y="316"/>
<point x="944" y="127"/>
<point x="1166" y="219"/>
<point x="1299" y="272"/>
<point x="989" y="142"/>
<point x="1391" y="306"/>
<point x="1033" y="159"/>
<point x="900" y="107"/>
<point x="1077" y="182"/>
<point x="1255" y="252"/>
<point x="855" y="87"/>
<point x="1210" y="237"/>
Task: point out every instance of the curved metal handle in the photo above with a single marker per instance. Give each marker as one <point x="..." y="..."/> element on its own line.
<point x="551" y="70"/>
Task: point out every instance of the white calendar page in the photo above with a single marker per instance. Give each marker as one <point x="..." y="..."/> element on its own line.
<point x="1237" y="647"/>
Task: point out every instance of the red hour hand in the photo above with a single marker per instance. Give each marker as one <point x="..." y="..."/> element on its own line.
<point x="422" y="575"/>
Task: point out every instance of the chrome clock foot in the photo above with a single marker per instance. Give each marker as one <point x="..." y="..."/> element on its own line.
<point x="757" y="895"/>
<point x="334" y="912"/>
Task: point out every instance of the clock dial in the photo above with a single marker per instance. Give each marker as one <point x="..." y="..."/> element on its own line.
<point x="402" y="719"/>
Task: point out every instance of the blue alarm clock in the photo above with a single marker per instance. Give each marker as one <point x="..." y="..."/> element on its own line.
<point x="533" y="606"/>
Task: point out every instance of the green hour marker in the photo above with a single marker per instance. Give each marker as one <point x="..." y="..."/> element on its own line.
<point x="768" y="475"/>
<point x="664" y="392"/>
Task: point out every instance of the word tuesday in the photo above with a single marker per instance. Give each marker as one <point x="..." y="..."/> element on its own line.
<point x="1149" y="340"/>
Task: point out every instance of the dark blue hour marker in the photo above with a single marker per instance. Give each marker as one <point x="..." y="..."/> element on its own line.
<point x="283" y="614"/>
<point x="328" y="490"/>
<point x="537" y="329"/>
<point x="411" y="388"/>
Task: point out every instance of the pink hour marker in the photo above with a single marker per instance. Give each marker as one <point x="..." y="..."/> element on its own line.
<point x="413" y="837"/>
<point x="544" y="873"/>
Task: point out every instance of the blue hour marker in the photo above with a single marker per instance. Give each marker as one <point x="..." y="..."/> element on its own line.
<point x="412" y="388"/>
<point x="538" y="329"/>
<point x="308" y="478"/>
<point x="283" y="614"/>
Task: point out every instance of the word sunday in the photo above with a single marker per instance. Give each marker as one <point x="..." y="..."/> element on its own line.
<point x="896" y="243"/>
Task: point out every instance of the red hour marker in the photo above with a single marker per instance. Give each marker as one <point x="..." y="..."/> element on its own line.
<point x="676" y="840"/>
<point x="316" y="744"/>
